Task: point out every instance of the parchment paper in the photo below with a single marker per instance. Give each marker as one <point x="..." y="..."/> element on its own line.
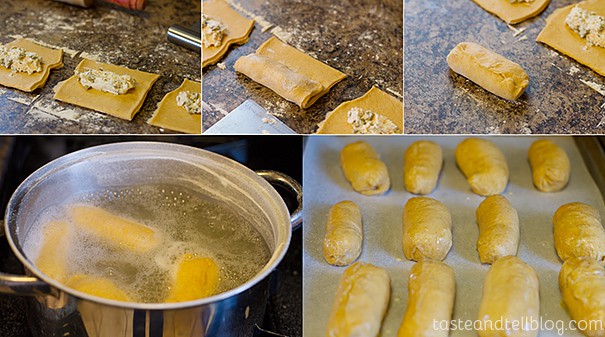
<point x="324" y="185"/>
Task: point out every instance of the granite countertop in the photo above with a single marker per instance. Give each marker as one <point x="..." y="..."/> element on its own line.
<point x="361" y="38"/>
<point x="439" y="101"/>
<point x="107" y="33"/>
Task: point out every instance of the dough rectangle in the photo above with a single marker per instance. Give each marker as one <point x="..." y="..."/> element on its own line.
<point x="51" y="59"/>
<point x="559" y="36"/>
<point x="121" y="106"/>
<point x="171" y="116"/>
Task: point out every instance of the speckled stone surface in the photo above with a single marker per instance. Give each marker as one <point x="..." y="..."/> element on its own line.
<point x="437" y="100"/>
<point x="362" y="38"/>
<point x="135" y="40"/>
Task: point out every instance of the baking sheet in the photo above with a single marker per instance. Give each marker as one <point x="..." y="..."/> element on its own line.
<point x="324" y="185"/>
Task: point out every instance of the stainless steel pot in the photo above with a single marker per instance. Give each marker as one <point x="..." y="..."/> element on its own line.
<point x="55" y="310"/>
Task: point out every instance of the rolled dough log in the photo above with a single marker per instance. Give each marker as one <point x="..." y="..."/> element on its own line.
<point x="360" y="302"/>
<point x="484" y="166"/>
<point x="493" y="72"/>
<point x="427" y="229"/>
<point x="51" y="59"/>
<point x="578" y="232"/>
<point x="422" y="164"/>
<point x="52" y="258"/>
<point x="559" y="36"/>
<point x="171" y="116"/>
<point x="276" y="76"/>
<point x="299" y="63"/>
<point x="122" y="106"/>
<point x="550" y="166"/>
<point x="582" y="283"/>
<point x="498" y="229"/>
<point x="344" y="234"/>
<point x="513" y="12"/>
<point x="363" y="168"/>
<point x="510" y="292"/>
<point x="431" y="294"/>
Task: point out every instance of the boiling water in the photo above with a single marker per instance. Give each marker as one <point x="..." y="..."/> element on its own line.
<point x="184" y="222"/>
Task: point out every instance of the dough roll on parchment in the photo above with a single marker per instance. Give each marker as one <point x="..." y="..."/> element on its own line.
<point x="361" y="301"/>
<point x="276" y="76"/>
<point x="344" y="236"/>
<point x="484" y="166"/>
<point x="510" y="292"/>
<point x="427" y="229"/>
<point x="498" y="229"/>
<point x="582" y="284"/>
<point x="422" y="164"/>
<point x="492" y="71"/>
<point x="363" y="169"/>
<point x="549" y="166"/>
<point x="578" y="232"/>
<point x="431" y="294"/>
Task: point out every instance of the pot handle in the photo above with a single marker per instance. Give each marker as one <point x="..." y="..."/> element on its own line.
<point x="23" y="285"/>
<point x="283" y="180"/>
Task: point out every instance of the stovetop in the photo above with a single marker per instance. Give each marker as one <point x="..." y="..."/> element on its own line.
<point x="25" y="154"/>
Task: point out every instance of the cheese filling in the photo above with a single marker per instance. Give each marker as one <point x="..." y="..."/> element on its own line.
<point x="588" y="25"/>
<point x="368" y="122"/>
<point x="106" y="81"/>
<point x="212" y="32"/>
<point x="190" y="101"/>
<point x="19" y="60"/>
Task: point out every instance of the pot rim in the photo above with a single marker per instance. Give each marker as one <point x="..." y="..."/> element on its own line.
<point x="165" y="149"/>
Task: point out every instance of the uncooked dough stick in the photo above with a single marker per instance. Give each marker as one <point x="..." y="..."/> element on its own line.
<point x="492" y="71"/>
<point x="510" y="292"/>
<point x="422" y="164"/>
<point x="342" y="243"/>
<point x="582" y="284"/>
<point x="363" y="169"/>
<point x="276" y="76"/>
<point x="578" y="232"/>
<point x="431" y="294"/>
<point x="549" y="165"/>
<point x="484" y="166"/>
<point x="513" y="11"/>
<point x="498" y="229"/>
<point x="427" y="229"/>
<point x="361" y="302"/>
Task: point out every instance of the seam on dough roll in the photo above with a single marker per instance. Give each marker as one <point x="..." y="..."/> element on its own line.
<point x="361" y="301"/>
<point x="498" y="224"/>
<point x="483" y="165"/>
<point x="493" y="72"/>
<point x="582" y="284"/>
<point x="363" y="168"/>
<point x="431" y="294"/>
<point x="276" y="76"/>
<point x="427" y="229"/>
<point x="344" y="235"/>
<point x="422" y="165"/>
<point x="510" y="292"/>
<point x="550" y="166"/>
<point x="578" y="232"/>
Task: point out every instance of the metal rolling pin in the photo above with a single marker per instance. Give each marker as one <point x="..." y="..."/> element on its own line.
<point x="190" y="38"/>
<point x="130" y="4"/>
